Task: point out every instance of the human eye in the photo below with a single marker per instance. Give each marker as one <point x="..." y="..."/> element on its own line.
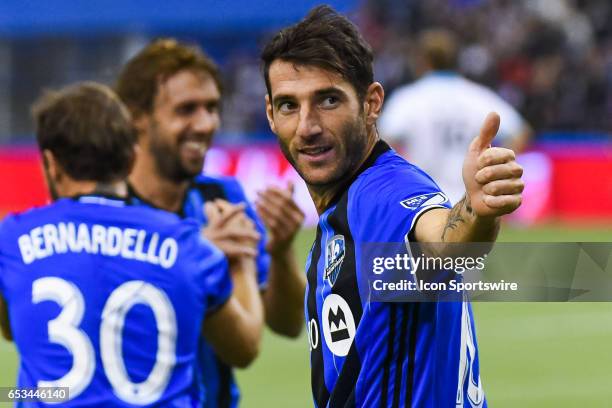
<point x="186" y="109"/>
<point x="286" y="106"/>
<point x="212" y="107"/>
<point x="329" y="102"/>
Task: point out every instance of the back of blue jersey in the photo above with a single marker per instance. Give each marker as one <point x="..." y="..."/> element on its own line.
<point x="108" y="300"/>
<point x="219" y="387"/>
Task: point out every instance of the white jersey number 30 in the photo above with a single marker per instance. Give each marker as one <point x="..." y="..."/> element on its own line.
<point x="64" y="330"/>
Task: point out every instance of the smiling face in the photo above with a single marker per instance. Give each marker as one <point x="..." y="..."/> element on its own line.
<point x="179" y="130"/>
<point x="324" y="130"/>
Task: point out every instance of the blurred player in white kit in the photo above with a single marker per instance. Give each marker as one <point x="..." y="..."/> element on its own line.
<point x="432" y="121"/>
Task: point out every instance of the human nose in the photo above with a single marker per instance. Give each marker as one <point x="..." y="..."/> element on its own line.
<point x="309" y="124"/>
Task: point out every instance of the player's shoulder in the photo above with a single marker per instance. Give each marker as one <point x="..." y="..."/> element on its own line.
<point x="411" y="102"/>
<point x="386" y="199"/>
<point x="186" y="231"/>
<point x="391" y="173"/>
<point x="205" y="179"/>
<point x="15" y="221"/>
<point x="120" y="210"/>
<point x="405" y="92"/>
<point x="159" y="218"/>
<point x="142" y="215"/>
<point x="226" y="187"/>
<point x="94" y="209"/>
<point x="393" y="182"/>
<point x="482" y="100"/>
<point x="472" y="89"/>
<point x="427" y="84"/>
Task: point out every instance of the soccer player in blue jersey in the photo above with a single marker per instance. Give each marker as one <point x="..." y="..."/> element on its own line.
<point x="174" y="93"/>
<point x="106" y="298"/>
<point x="323" y="104"/>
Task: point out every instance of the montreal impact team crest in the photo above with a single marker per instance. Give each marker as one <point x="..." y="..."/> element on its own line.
<point x="334" y="255"/>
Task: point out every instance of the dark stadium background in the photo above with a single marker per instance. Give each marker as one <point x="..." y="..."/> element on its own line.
<point x="552" y="59"/>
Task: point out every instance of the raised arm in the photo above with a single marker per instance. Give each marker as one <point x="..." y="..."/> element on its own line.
<point x="493" y="188"/>
<point x="284" y="296"/>
<point x="234" y="331"/>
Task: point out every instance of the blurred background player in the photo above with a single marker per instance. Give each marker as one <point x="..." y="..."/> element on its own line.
<point x="174" y="93"/>
<point x="323" y="105"/>
<point x="433" y="120"/>
<point x="106" y="298"/>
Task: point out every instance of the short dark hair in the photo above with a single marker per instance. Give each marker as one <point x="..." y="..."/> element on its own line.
<point x="139" y="80"/>
<point x="327" y="40"/>
<point x="88" y="130"/>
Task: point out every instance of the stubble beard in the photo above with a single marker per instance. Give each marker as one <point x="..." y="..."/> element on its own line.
<point x="167" y="159"/>
<point x="355" y="136"/>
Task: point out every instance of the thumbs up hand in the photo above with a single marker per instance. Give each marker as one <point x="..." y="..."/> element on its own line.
<point x="491" y="175"/>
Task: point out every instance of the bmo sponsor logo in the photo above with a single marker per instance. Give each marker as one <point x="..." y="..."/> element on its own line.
<point x="338" y="325"/>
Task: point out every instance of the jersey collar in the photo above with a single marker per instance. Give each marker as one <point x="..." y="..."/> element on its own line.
<point x="380" y="148"/>
<point x="441" y="74"/>
<point x="103" y="199"/>
<point x="135" y="197"/>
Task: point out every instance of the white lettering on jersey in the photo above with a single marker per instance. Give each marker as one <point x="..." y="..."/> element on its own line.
<point x="313" y="334"/>
<point x="129" y="243"/>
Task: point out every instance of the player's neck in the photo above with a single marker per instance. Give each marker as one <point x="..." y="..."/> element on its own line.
<point x="157" y="190"/>
<point x="79" y="187"/>
<point x="322" y="196"/>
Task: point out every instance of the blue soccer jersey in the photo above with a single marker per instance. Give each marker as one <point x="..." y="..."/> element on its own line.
<point x="216" y="378"/>
<point x="373" y="354"/>
<point x="108" y="299"/>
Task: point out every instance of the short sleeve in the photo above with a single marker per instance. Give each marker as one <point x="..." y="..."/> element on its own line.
<point x="218" y="283"/>
<point x="213" y="274"/>
<point x="387" y="207"/>
<point x="235" y="194"/>
<point x="385" y="210"/>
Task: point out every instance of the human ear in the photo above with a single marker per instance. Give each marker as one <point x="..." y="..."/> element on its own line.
<point x="373" y="102"/>
<point x="52" y="170"/>
<point x="270" y="113"/>
<point x="53" y="173"/>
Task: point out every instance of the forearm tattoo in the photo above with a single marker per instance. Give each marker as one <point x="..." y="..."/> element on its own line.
<point x="456" y="216"/>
